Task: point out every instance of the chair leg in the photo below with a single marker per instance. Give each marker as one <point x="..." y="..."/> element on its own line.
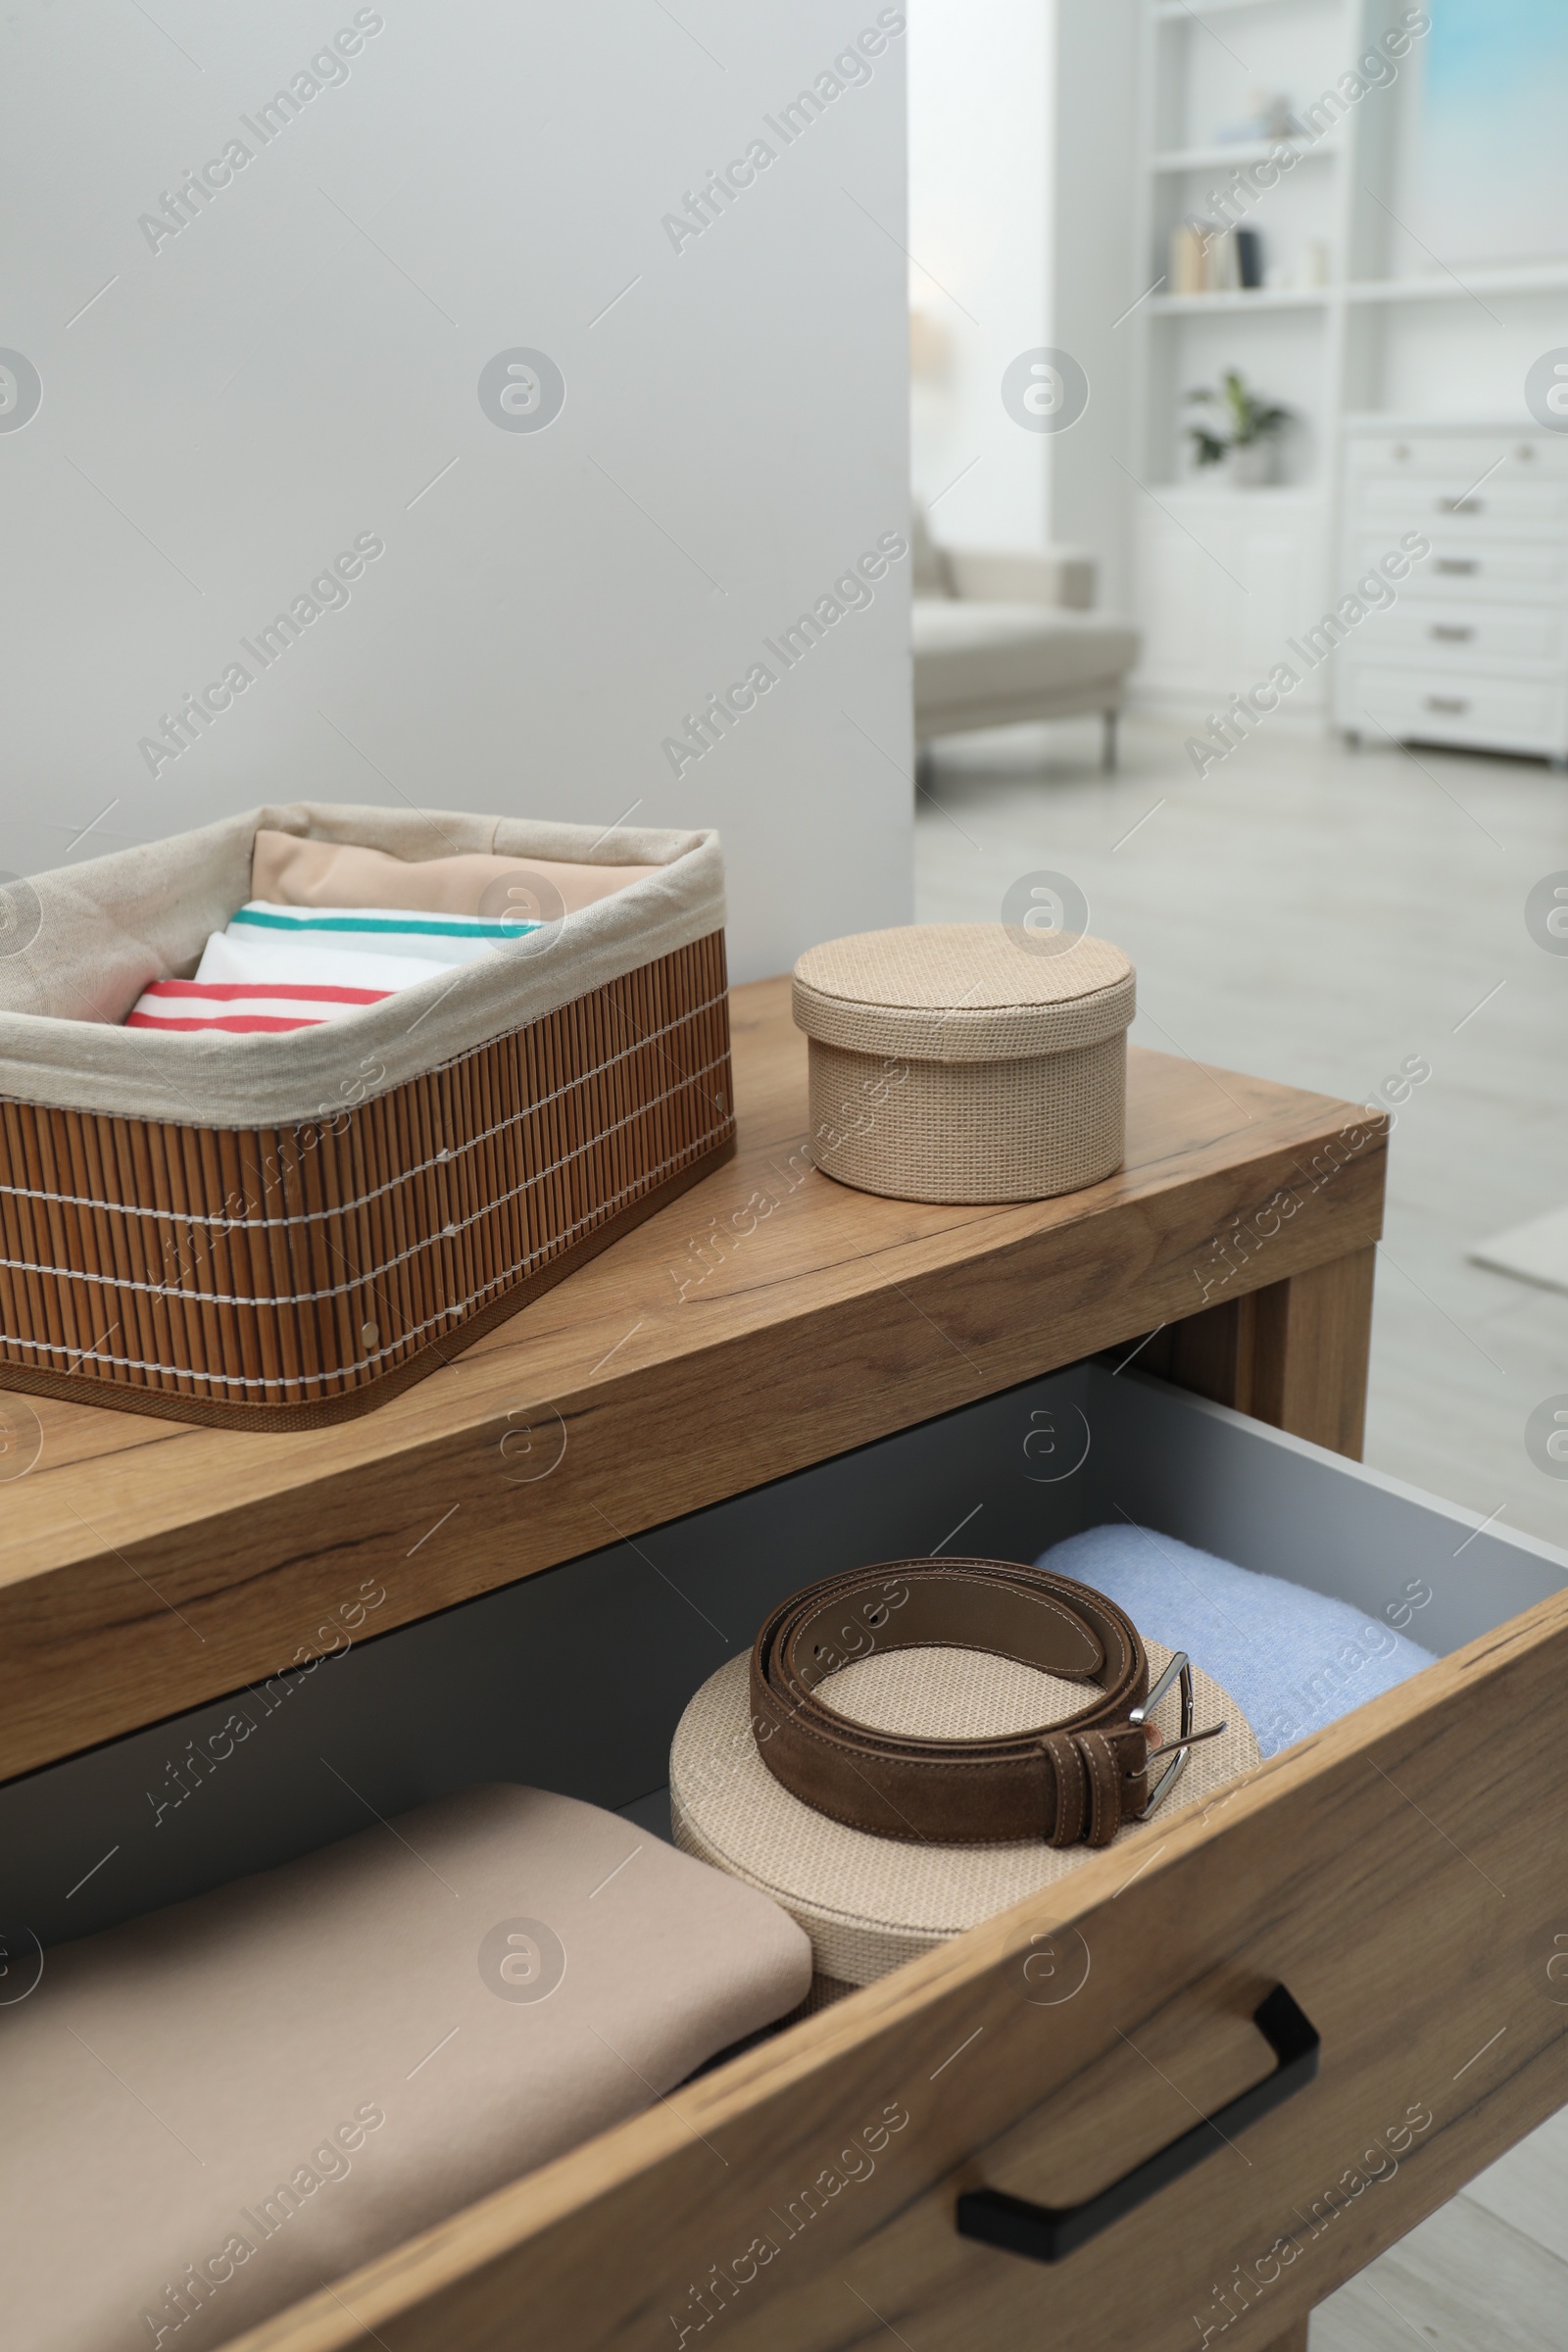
<point x="1108" y="761"/>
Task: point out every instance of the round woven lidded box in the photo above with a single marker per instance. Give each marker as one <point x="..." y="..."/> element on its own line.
<point x="967" y="1062"/>
<point x="869" y="1903"/>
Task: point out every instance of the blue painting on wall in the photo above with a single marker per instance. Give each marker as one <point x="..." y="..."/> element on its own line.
<point x="1494" y="148"/>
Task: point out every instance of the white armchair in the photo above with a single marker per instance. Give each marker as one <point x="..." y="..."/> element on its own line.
<point x="1003" y="635"/>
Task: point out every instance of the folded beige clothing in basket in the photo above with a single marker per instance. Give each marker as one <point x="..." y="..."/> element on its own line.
<point x="215" y="2109"/>
<point x="324" y="873"/>
<point x="331" y="929"/>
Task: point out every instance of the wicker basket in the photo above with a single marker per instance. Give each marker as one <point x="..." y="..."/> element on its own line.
<point x="274" y="1231"/>
<point x="959" y="1062"/>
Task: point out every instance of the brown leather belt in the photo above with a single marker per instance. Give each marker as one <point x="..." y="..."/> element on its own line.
<point x="1076" y="1781"/>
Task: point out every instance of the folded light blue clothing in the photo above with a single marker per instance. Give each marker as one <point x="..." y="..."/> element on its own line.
<point x="1293" y="1660"/>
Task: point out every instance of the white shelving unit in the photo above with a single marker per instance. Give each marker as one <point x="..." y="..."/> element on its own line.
<point x="1220" y="571"/>
<point x="1386" y="321"/>
<point x="1175" y="12"/>
<point x="1236" y="154"/>
<point x="1539" y="277"/>
<point x="1262" y="298"/>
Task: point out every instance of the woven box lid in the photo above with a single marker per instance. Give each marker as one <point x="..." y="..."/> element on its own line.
<point x="962" y="992"/>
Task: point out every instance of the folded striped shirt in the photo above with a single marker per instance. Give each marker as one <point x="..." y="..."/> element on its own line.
<point x="277" y="968"/>
<point x="386" y="930"/>
<point x="245" y="1008"/>
<point x="242" y="955"/>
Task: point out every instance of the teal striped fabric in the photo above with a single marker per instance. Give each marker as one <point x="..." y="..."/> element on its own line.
<point x="311" y="922"/>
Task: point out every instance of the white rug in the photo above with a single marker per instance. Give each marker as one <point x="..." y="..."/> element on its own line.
<point x="1533" y="1253"/>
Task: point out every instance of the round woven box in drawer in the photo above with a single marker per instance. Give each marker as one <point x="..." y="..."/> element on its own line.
<point x="965" y="1063"/>
<point x="870" y="1903"/>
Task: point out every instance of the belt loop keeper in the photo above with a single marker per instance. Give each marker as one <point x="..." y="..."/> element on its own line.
<point x="1072" y="1795"/>
<point x="1104" y="1774"/>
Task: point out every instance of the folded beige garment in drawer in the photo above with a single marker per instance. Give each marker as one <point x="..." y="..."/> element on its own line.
<point x="213" y="2110"/>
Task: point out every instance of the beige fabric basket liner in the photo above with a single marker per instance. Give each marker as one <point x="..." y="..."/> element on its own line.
<point x="78" y="947"/>
<point x="870" y="1903"/>
<point x="962" y="992"/>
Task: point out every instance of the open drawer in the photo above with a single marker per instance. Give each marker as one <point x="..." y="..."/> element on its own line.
<point x="1401" y="1876"/>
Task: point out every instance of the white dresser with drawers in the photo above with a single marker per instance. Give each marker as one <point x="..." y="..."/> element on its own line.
<point x="1474" y="650"/>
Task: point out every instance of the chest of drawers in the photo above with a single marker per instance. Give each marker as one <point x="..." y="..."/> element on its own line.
<point x="1473" y="650"/>
<point x="772" y="1378"/>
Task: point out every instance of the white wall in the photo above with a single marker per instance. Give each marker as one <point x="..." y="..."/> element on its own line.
<point x="1021" y="197"/>
<point x="980" y="97"/>
<point x="1091" y="141"/>
<point x="299" y="366"/>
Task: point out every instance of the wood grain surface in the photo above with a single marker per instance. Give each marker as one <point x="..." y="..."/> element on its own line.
<point x="1293" y="1354"/>
<point x="1390" y="1871"/>
<point x="769" y="1319"/>
<point x="1293" y="2340"/>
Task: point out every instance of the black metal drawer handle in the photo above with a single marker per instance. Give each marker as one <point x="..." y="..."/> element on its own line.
<point x="1453" y="706"/>
<point x="1051" y="2233"/>
<point x="1457" y="564"/>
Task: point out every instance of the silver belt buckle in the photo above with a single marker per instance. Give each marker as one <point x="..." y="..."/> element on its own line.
<point x="1186" y="1738"/>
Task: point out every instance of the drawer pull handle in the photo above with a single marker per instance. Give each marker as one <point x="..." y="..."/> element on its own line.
<point x="1051" y="2233"/>
<point x="1461" y="505"/>
<point x="1457" y="564"/>
<point x="1453" y="706"/>
<point x="1451" y="636"/>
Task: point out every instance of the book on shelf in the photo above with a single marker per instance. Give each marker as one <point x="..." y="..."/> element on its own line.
<point x="1206" y="258"/>
<point x="1188" y="264"/>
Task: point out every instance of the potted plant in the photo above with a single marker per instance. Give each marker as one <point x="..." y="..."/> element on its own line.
<point x="1246" y="441"/>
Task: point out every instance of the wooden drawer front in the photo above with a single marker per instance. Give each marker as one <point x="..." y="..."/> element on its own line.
<point x="1512" y="713"/>
<point x="1403" y="1875"/>
<point x="1527" y="638"/>
<point x="1475" y="569"/>
<point x="1505" y="460"/>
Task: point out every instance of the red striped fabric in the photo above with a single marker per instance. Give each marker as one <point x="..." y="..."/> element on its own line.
<point x="249" y="1008"/>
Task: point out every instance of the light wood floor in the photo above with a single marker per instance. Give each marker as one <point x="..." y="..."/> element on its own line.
<point x="1321" y="916"/>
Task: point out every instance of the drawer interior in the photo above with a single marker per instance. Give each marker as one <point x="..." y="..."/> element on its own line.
<point x="574" y="1679"/>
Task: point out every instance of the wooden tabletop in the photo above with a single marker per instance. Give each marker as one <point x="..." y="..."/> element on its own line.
<point x="767" y="1319"/>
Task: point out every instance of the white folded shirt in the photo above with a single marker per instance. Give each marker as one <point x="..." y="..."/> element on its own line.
<point x="278" y="968"/>
<point x="376" y="930"/>
<point x="236" y="956"/>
